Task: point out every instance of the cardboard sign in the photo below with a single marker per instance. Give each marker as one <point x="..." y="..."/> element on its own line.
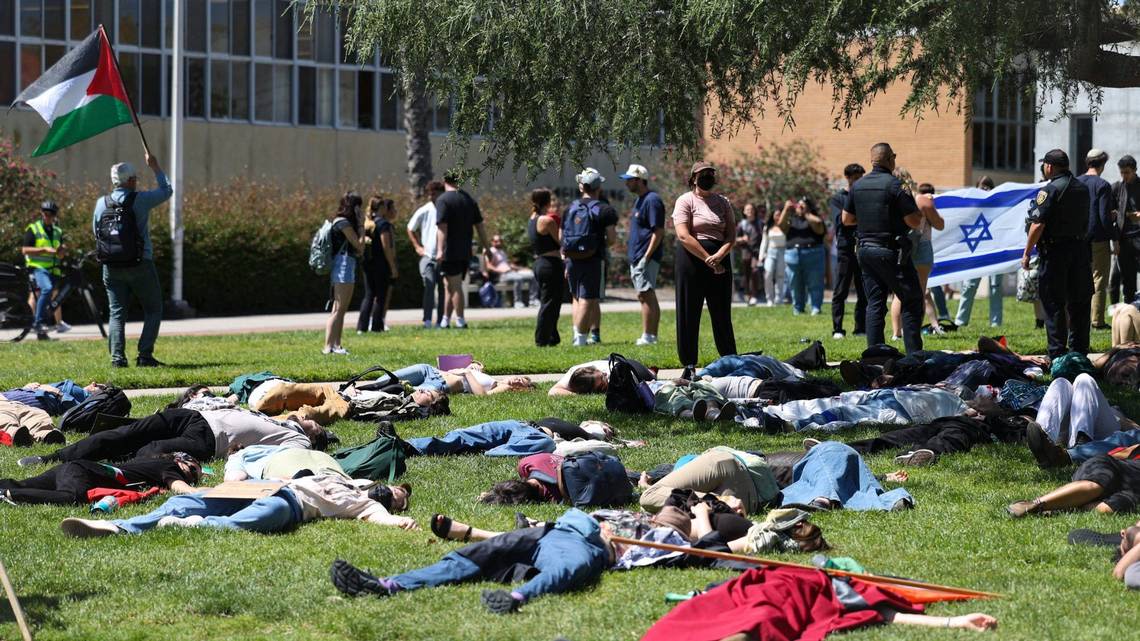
<point x="251" y="490"/>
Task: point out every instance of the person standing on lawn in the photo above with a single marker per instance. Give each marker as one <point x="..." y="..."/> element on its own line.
<point x="644" y="249"/>
<point x="1102" y="231"/>
<point x="457" y="216"/>
<point x="423" y="224"/>
<point x="749" y="235"/>
<point x="379" y="265"/>
<point x="133" y="272"/>
<point x="883" y="213"/>
<point x="42" y="249"/>
<point x="545" y="232"/>
<point x="1126" y="192"/>
<point x="588" y="227"/>
<point x="706" y="229"/>
<point x="849" y="272"/>
<point x="347" y="238"/>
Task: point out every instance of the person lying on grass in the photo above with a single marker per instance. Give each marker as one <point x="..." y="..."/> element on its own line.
<point x="558" y="557"/>
<point x="829" y="476"/>
<point x="705" y="524"/>
<point x="68" y="483"/>
<point x="511" y="437"/>
<point x="1103" y="484"/>
<point x="324" y="495"/>
<point x="587" y="378"/>
<point x="205" y="435"/>
<point x="322" y="404"/>
<point x="56" y="398"/>
<point x="466" y="380"/>
<point x="277" y="462"/>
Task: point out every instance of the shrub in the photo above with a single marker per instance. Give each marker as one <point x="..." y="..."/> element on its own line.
<point x="23" y="186"/>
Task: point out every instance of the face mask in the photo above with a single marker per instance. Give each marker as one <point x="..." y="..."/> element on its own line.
<point x="706" y="181"/>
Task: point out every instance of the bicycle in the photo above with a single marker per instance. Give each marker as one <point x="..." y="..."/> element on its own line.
<point x="17" y="316"/>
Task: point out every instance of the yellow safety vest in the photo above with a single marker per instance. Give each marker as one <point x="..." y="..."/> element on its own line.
<point x="49" y="262"/>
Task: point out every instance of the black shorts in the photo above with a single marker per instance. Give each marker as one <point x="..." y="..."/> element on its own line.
<point x="454" y="268"/>
<point x="1120" y="480"/>
<point x="585" y="278"/>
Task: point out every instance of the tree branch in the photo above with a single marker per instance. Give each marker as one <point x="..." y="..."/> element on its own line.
<point x="1111" y="69"/>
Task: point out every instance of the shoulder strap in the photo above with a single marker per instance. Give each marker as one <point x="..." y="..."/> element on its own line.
<point x="392" y="463"/>
<point x="357" y="377"/>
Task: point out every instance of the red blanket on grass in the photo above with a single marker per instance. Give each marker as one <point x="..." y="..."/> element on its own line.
<point x="780" y="604"/>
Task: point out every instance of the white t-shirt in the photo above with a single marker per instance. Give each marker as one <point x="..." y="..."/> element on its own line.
<point x="423" y="222"/>
<point x="261" y="390"/>
<point x="603" y="366"/>
<point x="485" y="380"/>
<point x="245" y="428"/>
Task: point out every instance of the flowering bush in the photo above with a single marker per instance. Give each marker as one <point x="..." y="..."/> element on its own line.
<point x="23" y="186"/>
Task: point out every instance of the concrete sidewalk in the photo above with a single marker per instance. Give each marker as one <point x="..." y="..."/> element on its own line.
<point x="618" y="300"/>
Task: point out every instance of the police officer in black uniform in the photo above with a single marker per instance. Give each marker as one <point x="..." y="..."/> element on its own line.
<point x="1058" y="219"/>
<point x="847" y="262"/>
<point x="883" y="213"/>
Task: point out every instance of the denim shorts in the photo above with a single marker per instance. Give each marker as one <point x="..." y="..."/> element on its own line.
<point x="343" y="269"/>
<point x="923" y="254"/>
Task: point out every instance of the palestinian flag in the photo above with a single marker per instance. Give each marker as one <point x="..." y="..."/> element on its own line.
<point x="80" y="96"/>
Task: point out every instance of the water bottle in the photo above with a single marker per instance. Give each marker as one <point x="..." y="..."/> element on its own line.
<point x="106" y="505"/>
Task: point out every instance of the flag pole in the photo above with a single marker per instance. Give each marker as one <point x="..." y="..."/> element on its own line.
<point x="130" y="103"/>
<point x="868" y="578"/>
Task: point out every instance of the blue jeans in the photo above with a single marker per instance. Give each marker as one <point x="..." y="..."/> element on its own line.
<point x="498" y="438"/>
<point x="422" y="376"/>
<point x="44" y="283"/>
<point x="805" y="276"/>
<point x="1082" y="453"/>
<point x="834" y="471"/>
<point x="452" y="568"/>
<point x="276" y="513"/>
<point x="142" y="282"/>
<point x="966" y="301"/>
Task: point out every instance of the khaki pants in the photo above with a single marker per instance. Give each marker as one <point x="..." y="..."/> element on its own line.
<point x="1101" y="265"/>
<point x="318" y="402"/>
<point x="26" y="424"/>
<point x="714" y="471"/>
<point x="1126" y="325"/>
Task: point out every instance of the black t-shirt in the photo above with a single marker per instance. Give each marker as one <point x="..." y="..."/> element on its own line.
<point x="800" y="234"/>
<point x="339" y="241"/>
<point x="459" y="211"/>
<point x="1129" y="227"/>
<point x="376" y="255"/>
<point x="844" y="235"/>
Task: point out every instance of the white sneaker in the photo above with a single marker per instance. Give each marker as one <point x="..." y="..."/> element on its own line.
<point x="88" y="528"/>
<point x="770" y="304"/>
<point x="460" y="323"/>
<point x="519" y="305"/>
<point x="579" y="341"/>
<point x="752" y="302"/>
<point x="339" y="350"/>
<point x="62" y="328"/>
<point x="193" y="520"/>
<point x="444" y="323"/>
<point x="896" y="338"/>
<point x="646" y="339"/>
<point x="917" y="458"/>
<point x="839" y="336"/>
<point x="815" y="311"/>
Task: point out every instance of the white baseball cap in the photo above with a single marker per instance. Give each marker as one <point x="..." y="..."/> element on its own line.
<point x="635" y="171"/>
<point x="121" y="173"/>
<point x="590" y="177"/>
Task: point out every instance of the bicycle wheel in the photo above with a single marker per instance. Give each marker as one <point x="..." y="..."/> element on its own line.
<point x="15" y="316"/>
<point x="94" y="311"/>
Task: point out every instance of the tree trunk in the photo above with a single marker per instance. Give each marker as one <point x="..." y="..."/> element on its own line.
<point x="417" y="129"/>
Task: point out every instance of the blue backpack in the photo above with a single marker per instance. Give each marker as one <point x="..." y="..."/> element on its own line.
<point x="582" y="229"/>
<point x="594" y="479"/>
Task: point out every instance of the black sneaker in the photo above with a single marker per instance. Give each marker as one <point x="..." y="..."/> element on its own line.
<point x="119" y="363"/>
<point x="43" y="336"/>
<point x="1047" y="453"/>
<point x="148" y="361"/>
<point x="354" y="582"/>
<point x="500" y="602"/>
<point x="1092" y="537"/>
<point x="689" y="373"/>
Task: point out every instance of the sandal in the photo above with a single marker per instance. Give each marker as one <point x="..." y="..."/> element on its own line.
<point x="441" y="527"/>
<point x="1022" y="508"/>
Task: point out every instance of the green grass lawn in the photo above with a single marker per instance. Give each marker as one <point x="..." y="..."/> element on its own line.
<point x="222" y="585"/>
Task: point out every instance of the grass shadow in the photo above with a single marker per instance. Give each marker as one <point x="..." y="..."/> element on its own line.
<point x="40" y="610"/>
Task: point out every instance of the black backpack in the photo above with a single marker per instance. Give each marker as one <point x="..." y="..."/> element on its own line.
<point x="118" y="242"/>
<point x="392" y="386"/>
<point x="628" y="389"/>
<point x="594" y="479"/>
<point x="110" y="401"/>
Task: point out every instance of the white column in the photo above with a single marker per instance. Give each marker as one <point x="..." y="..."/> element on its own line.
<point x="176" y="111"/>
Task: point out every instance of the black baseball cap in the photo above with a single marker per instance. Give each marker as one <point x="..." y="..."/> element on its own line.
<point x="1056" y="157"/>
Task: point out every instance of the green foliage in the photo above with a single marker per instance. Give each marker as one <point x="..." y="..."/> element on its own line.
<point x="23" y="186"/>
<point x="564" y="78"/>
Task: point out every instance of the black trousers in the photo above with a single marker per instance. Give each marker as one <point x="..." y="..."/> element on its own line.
<point x="1129" y="265"/>
<point x="176" y="430"/>
<point x="1066" y="289"/>
<point x="944" y="436"/>
<point x="550" y="273"/>
<point x="882" y="274"/>
<point x="696" y="284"/>
<point x="374" y="307"/>
<point x="849" y="273"/>
<point x="61" y="485"/>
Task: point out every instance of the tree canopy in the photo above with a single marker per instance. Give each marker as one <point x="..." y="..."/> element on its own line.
<point x="540" y="82"/>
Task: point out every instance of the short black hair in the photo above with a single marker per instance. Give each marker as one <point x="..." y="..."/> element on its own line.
<point x="511" y="492"/>
<point x="582" y="380"/>
<point x="188" y="395"/>
<point x="925" y="188"/>
<point x="440" y="406"/>
<point x="451" y="178"/>
<point x="1126" y="161"/>
<point x="853" y="169"/>
<point x="383" y="495"/>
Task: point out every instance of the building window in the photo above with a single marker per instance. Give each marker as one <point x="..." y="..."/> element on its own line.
<point x="389" y="102"/>
<point x="31" y="18"/>
<point x="195" y="98"/>
<point x="1080" y="141"/>
<point x="1003" y="128"/>
<point x="7" y="20"/>
<point x="7" y="74"/>
<point x="219" y="26"/>
<point x="150" y="28"/>
<point x="195" y="25"/>
<point x="129" y="22"/>
<point x="150" y="89"/>
<point x="219" y="89"/>
<point x="54" y="13"/>
<point x="239" y="91"/>
<point x="31" y="64"/>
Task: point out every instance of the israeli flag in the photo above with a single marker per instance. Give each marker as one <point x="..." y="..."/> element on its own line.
<point x="984" y="232"/>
